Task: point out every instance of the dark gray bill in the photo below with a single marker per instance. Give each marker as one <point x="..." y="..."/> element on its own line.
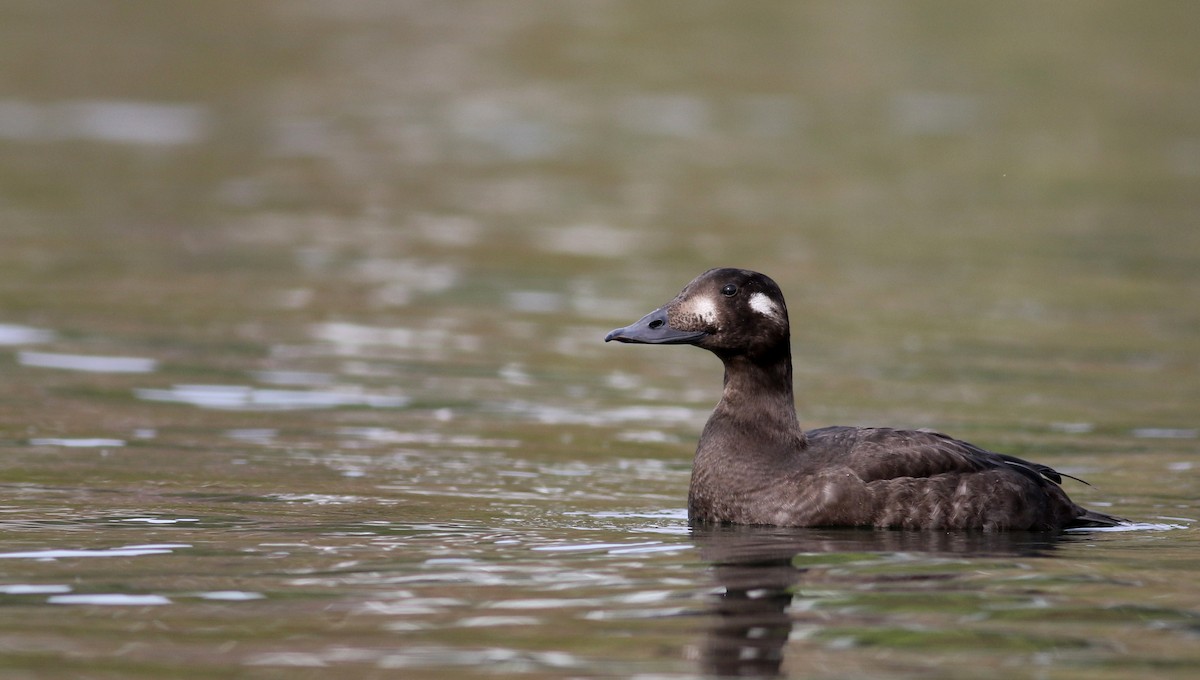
<point x="653" y="329"/>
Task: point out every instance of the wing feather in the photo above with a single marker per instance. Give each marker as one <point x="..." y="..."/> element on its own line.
<point x="883" y="453"/>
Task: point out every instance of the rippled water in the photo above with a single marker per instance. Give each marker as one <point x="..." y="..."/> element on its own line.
<point x="302" y="308"/>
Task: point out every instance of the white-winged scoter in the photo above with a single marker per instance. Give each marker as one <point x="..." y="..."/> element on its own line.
<point x="755" y="465"/>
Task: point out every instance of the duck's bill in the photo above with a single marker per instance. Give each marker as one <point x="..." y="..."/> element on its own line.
<point x="653" y="329"/>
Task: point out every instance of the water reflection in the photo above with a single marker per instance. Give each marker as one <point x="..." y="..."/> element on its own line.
<point x="111" y="121"/>
<point x="110" y="599"/>
<point x="762" y="569"/>
<point x="87" y="363"/>
<point x="77" y="443"/>
<point x="124" y="551"/>
<point x="16" y="334"/>
<point x="246" y="398"/>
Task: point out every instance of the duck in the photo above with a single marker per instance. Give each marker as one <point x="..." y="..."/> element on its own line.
<point x="755" y="465"/>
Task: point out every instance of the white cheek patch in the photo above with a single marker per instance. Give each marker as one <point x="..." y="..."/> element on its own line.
<point x="764" y="305"/>
<point x="705" y="309"/>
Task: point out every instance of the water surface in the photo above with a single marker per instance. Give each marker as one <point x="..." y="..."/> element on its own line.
<point x="302" y="308"/>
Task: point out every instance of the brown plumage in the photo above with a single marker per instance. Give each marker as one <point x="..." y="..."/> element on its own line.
<point x="755" y="465"/>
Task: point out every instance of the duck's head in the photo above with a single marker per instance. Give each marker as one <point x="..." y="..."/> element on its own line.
<point x="727" y="311"/>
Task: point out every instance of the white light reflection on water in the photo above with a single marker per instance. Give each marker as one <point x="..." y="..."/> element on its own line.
<point x="296" y="659"/>
<point x="385" y="435"/>
<point x="494" y="658"/>
<point x="553" y="414"/>
<point x="483" y="621"/>
<point x="82" y="443"/>
<point x="91" y="364"/>
<point x="350" y="339"/>
<point x="14" y="334"/>
<point x="126" y="551"/>
<point x="309" y="378"/>
<point x="1165" y="433"/>
<point x="244" y="398"/>
<point x="158" y="520"/>
<point x="1132" y="526"/>
<point x="231" y="595"/>
<point x="402" y="280"/>
<point x="647" y="437"/>
<point x="110" y="599"/>
<point x="253" y="435"/>
<point x="318" y="498"/>
<point x="111" y="121"/>
<point x="32" y="589"/>
<point x="589" y="546"/>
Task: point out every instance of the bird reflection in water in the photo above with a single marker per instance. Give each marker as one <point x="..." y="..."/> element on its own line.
<point x="756" y="567"/>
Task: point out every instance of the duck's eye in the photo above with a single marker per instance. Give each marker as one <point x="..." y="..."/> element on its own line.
<point x="729" y="290"/>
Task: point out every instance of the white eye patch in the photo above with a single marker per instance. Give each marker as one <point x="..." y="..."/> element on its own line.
<point x="764" y="305"/>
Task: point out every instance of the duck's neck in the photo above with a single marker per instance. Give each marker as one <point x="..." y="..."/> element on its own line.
<point x="758" y="395"/>
<point x="751" y="438"/>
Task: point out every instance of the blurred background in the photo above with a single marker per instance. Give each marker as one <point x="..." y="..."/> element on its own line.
<point x="245" y="244"/>
<point x="930" y="182"/>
